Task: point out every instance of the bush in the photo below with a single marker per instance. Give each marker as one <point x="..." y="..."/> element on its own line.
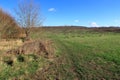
<point x="20" y="58"/>
<point x="8" y="26"/>
<point x="8" y="61"/>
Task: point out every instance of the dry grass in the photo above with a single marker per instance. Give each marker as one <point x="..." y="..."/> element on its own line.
<point x="43" y="48"/>
<point x="11" y="44"/>
<point x="36" y="53"/>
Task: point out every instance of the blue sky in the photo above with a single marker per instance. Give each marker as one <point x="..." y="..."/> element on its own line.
<point x="75" y="12"/>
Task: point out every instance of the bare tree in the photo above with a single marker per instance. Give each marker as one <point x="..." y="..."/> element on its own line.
<point x="28" y="15"/>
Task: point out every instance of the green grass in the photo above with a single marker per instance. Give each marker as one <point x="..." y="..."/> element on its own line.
<point x="90" y="56"/>
<point x="80" y="55"/>
<point x="22" y="65"/>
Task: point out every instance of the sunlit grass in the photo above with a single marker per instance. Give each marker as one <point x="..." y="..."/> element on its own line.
<point x="80" y="55"/>
<point x="93" y="55"/>
<point x="29" y="65"/>
<point x="10" y="44"/>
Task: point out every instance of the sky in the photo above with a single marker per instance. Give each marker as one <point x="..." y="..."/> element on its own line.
<point x="90" y="13"/>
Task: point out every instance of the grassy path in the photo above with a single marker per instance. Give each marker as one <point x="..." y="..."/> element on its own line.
<point x="88" y="61"/>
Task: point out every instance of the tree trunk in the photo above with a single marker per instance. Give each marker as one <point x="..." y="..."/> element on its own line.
<point x="27" y="38"/>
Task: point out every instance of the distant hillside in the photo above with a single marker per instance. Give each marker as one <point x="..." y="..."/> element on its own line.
<point x="66" y="28"/>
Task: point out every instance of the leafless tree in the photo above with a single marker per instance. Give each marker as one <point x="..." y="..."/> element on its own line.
<point x="28" y="15"/>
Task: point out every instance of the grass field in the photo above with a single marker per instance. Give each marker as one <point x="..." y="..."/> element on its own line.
<point x="80" y="55"/>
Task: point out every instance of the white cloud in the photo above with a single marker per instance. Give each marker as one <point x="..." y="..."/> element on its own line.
<point x="94" y="24"/>
<point x="52" y="9"/>
<point x="77" y="21"/>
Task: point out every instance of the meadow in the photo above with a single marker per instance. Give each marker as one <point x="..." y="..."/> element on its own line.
<point x="80" y="54"/>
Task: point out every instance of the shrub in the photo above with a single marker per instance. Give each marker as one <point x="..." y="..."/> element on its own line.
<point x="8" y="27"/>
<point x="8" y="61"/>
<point x="20" y="58"/>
